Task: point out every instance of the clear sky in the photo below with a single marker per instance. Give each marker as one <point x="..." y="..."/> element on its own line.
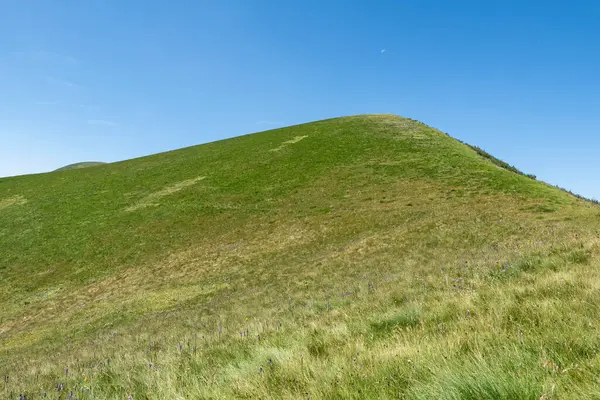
<point x="110" y="80"/>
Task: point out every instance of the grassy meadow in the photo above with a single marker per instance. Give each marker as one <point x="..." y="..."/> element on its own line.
<point x="366" y="257"/>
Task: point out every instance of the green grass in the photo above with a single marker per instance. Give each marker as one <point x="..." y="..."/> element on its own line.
<point x="357" y="257"/>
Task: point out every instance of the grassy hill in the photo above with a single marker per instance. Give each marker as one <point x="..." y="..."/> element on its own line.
<point x="85" y="164"/>
<point x="356" y="257"/>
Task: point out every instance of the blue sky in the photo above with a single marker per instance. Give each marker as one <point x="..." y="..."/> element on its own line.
<point x="111" y="80"/>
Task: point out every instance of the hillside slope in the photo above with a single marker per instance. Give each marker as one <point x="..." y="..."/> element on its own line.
<point x="357" y="257"/>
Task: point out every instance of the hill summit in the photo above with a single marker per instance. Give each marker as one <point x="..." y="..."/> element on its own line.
<point x="84" y="164"/>
<point x="358" y="257"/>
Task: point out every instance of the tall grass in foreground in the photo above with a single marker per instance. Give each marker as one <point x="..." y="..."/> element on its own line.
<point x="526" y="328"/>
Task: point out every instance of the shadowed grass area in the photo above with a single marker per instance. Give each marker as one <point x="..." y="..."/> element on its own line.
<point x="357" y="257"/>
<point x="404" y="319"/>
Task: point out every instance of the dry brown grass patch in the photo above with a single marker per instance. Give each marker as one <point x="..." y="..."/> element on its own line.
<point x="12" y="201"/>
<point x="288" y="142"/>
<point x="151" y="199"/>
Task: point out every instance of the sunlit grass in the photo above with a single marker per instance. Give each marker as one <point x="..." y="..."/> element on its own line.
<point x="373" y="258"/>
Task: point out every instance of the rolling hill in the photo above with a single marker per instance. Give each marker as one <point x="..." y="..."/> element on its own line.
<point x="85" y="164"/>
<point x="357" y="257"/>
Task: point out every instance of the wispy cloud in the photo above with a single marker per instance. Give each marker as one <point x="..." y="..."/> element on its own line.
<point x="43" y="56"/>
<point x="270" y="123"/>
<point x="383" y="51"/>
<point x="89" y="107"/>
<point x="46" y="103"/>
<point x="102" y="122"/>
<point x="62" y="82"/>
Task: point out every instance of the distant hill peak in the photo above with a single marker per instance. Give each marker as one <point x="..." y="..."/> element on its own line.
<point x="80" y="165"/>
